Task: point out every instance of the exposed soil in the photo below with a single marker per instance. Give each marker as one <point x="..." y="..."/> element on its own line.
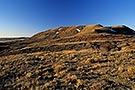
<point x="89" y="57"/>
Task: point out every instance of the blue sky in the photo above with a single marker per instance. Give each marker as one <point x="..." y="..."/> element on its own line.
<point x="27" y="17"/>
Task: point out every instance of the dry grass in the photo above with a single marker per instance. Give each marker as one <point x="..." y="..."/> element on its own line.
<point x="69" y="60"/>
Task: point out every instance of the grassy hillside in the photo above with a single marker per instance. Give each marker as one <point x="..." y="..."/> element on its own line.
<point x="91" y="57"/>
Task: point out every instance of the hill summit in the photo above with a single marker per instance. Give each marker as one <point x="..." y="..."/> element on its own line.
<point x="70" y="31"/>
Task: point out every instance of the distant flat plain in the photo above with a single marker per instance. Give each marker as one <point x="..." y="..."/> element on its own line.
<point x="12" y="39"/>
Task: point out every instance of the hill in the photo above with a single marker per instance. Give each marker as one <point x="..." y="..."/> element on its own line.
<point x="91" y="57"/>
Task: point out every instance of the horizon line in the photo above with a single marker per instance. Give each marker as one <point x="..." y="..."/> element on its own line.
<point x="13" y="36"/>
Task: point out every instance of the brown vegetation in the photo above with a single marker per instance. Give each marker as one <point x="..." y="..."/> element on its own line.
<point x="70" y="58"/>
